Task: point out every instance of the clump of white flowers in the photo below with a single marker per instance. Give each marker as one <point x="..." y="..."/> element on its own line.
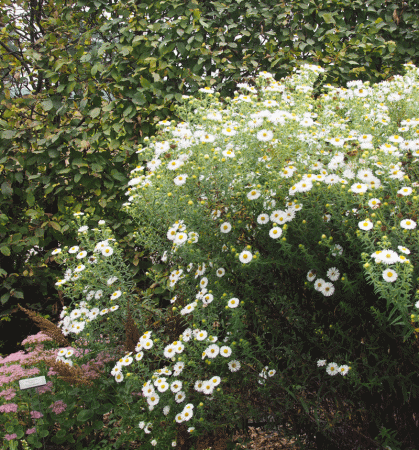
<point x="257" y="204"/>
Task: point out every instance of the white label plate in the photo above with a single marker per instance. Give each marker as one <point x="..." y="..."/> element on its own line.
<point x="32" y="382"/>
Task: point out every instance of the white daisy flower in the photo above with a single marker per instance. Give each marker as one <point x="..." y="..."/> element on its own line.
<point x="359" y="188"/>
<point x="180" y="238"/>
<point x="180" y="396"/>
<point x="180" y="180"/>
<point x="81" y="255"/>
<point x="225" y="227"/>
<point x="318" y="285"/>
<point x="254" y="194"/>
<point x="176" y="386"/>
<point x="212" y="351"/>
<point x="311" y="275"/>
<point x="332" y="369"/>
<point x="225" y="351"/>
<point x="229" y="131"/>
<point x="365" y="225"/>
<point x="198" y="385"/>
<point x="175" y="164"/>
<point x="116" y="295"/>
<point x="153" y="399"/>
<point x="245" y="257"/>
<point x="216" y="380"/>
<point x="233" y="303"/>
<point x="147" y="344"/>
<point x="321" y="362"/>
<point x="207" y="388"/>
<point x="74" y="249"/>
<point x="234" y="366"/>
<point x="390" y="275"/>
<point x="408" y="224"/>
<point x="262" y="219"/>
<point x="327" y="289"/>
<point x="56" y="251"/>
<point x="405" y="191"/>
<point x="404" y="250"/>
<point x="343" y="370"/>
<point x="374" y="203"/>
<point x="264" y="135"/>
<point x="275" y="232"/>
<point x="333" y="274"/>
<point x="187" y="414"/>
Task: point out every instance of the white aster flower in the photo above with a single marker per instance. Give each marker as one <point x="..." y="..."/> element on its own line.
<point x="343" y="370"/>
<point x="327" y="289"/>
<point x="225" y="227"/>
<point x="332" y="369"/>
<point x="275" y="232"/>
<point x="225" y="351"/>
<point x="233" y="303"/>
<point x="311" y="275"/>
<point x="234" y="366"/>
<point x="405" y="191"/>
<point x="212" y="351"/>
<point x="245" y="257"/>
<point x="389" y="275"/>
<point x="264" y="135"/>
<point x="365" y="225"/>
<point x="408" y="224"/>
<point x="333" y="274"/>
<point x="254" y="194"/>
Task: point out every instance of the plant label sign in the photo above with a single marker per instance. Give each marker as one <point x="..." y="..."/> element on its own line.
<point x="32" y="382"/>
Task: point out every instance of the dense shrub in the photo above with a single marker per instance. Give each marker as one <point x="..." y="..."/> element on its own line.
<point x="288" y="224"/>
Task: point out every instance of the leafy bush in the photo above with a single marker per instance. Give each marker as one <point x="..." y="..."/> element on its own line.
<point x="288" y="224"/>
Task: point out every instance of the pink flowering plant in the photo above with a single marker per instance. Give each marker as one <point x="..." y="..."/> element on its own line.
<point x="77" y="411"/>
<point x="287" y="223"/>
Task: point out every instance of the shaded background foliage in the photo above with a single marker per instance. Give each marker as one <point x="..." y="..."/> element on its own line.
<point x="83" y="82"/>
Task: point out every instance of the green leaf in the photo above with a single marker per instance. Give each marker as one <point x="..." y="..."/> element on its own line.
<point x="328" y="18"/>
<point x="55" y="225"/>
<point x="98" y="425"/>
<point x="30" y="198"/>
<point x="85" y="415"/>
<point x="17" y="294"/>
<point x="145" y="83"/>
<point x="77" y="177"/>
<point x="118" y="176"/>
<point x="5" y="250"/>
<point x="32" y="212"/>
<point x="61" y="433"/>
<point x="85" y="58"/>
<point x="6" y="189"/>
<point x="4" y="298"/>
<point x="8" y="134"/>
<point x="138" y="98"/>
<point x="94" y="112"/>
<point x="47" y="105"/>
